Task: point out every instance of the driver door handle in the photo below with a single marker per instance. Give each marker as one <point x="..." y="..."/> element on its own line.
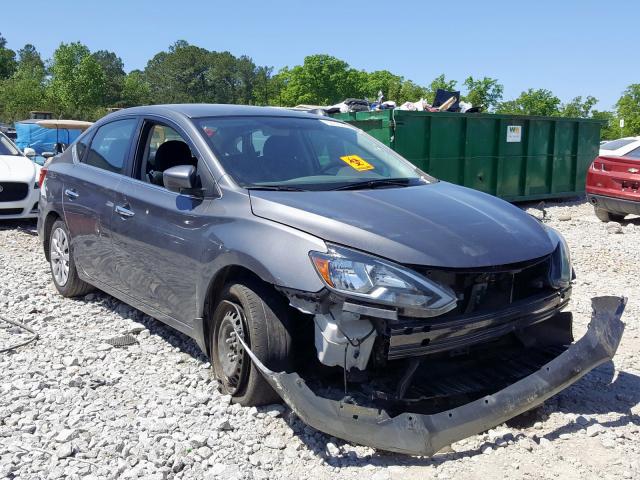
<point x="124" y="212"/>
<point x="71" y="194"/>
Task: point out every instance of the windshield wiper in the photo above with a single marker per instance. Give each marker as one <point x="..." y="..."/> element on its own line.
<point x="278" y="188"/>
<point x="377" y="183"/>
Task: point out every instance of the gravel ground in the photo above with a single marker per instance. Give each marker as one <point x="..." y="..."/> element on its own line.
<point x="72" y="406"/>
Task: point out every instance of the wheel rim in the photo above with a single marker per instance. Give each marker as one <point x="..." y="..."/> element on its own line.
<point x="59" y="254"/>
<point x="230" y="353"/>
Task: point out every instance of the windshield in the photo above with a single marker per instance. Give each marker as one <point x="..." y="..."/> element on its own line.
<point x="304" y="154"/>
<point x="6" y="147"/>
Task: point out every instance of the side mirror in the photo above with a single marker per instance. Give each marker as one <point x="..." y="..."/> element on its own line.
<point x="182" y="179"/>
<point x="48" y="155"/>
<point x="29" y="152"/>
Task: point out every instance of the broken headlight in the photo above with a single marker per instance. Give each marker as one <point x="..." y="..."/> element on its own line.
<point x="372" y="279"/>
<point x="561" y="271"/>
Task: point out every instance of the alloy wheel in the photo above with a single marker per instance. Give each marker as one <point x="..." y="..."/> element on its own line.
<point x="59" y="254"/>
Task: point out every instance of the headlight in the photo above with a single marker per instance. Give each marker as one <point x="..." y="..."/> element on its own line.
<point x="375" y="280"/>
<point x="561" y="272"/>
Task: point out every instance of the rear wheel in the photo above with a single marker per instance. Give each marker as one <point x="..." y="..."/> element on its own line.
<point x="253" y="312"/>
<point x="63" y="268"/>
<point x="606" y="216"/>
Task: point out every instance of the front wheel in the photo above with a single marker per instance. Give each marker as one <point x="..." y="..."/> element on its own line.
<point x="63" y="268"/>
<point x="252" y="311"/>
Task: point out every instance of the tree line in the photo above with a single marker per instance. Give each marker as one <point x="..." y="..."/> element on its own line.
<point x="77" y="83"/>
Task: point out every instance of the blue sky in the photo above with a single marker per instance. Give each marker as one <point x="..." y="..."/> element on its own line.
<point x="573" y="48"/>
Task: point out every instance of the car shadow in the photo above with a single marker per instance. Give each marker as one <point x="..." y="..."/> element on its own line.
<point x="28" y="226"/>
<point x="173" y="337"/>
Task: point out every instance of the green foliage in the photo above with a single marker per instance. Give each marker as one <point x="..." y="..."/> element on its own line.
<point x="320" y="80"/>
<point x="135" y="90"/>
<point x="187" y="74"/>
<point x="629" y="109"/>
<point x="440" y="82"/>
<point x="532" y="102"/>
<point x="114" y="76"/>
<point x="611" y="130"/>
<point x="577" y="108"/>
<point x="8" y="63"/>
<point x="485" y="92"/>
<point x="78" y="83"/>
<point x="25" y="89"/>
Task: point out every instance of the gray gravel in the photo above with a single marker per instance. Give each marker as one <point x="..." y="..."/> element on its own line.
<point x="74" y="406"/>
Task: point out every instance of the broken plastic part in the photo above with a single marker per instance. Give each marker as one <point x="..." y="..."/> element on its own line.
<point x="345" y="341"/>
<point x="417" y="434"/>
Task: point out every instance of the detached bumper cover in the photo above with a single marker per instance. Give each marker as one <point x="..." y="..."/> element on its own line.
<point x="416" y="434"/>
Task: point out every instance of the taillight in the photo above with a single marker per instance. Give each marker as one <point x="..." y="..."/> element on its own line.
<point x="599" y="166"/>
<point x="43" y="173"/>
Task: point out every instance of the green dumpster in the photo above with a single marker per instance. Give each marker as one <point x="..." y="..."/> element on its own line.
<point x="513" y="157"/>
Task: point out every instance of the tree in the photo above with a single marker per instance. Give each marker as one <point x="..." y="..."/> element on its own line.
<point x="382" y="81"/>
<point x="611" y="129"/>
<point x="114" y="74"/>
<point x="187" y="73"/>
<point x="77" y="83"/>
<point x="485" y="93"/>
<point x="577" y="108"/>
<point x="532" y="102"/>
<point x="440" y="82"/>
<point x="135" y="90"/>
<point x="320" y="80"/>
<point x="8" y="62"/>
<point x="24" y="90"/>
<point x="628" y="108"/>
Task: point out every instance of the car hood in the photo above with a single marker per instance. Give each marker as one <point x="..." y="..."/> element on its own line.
<point x="17" y="169"/>
<point x="440" y="224"/>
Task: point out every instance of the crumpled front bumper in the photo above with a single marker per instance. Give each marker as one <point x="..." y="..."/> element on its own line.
<point x="417" y="434"/>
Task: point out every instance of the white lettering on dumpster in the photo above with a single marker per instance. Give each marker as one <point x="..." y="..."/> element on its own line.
<point x="514" y="133"/>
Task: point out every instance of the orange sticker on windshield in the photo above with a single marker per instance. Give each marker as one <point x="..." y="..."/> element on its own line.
<point x="357" y="163"/>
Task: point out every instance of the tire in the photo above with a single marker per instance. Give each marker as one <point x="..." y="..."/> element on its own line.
<point x="61" y="261"/>
<point x="262" y="318"/>
<point x="606" y="216"/>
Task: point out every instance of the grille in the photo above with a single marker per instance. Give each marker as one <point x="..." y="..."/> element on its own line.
<point x="485" y="290"/>
<point x="10" y="211"/>
<point x="13" y="191"/>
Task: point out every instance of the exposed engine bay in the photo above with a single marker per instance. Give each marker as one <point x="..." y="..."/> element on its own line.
<point x="506" y="323"/>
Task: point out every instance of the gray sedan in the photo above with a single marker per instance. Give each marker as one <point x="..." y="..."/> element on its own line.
<point x="313" y="264"/>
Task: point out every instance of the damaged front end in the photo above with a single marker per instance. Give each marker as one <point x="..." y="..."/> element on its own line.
<point x="410" y="358"/>
<point x="547" y="368"/>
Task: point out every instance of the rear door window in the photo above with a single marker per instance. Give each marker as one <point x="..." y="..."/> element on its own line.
<point x="110" y="145"/>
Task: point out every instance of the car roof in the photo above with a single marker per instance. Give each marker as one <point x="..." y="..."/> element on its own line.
<point x="197" y="110"/>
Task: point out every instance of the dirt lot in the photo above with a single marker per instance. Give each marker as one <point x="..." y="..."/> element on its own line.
<point x="71" y="406"/>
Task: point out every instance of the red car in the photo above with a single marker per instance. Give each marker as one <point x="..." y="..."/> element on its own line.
<point x="613" y="186"/>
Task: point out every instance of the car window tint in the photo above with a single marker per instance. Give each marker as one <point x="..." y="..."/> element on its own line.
<point x="6" y="147"/>
<point x="635" y="153"/>
<point x="110" y="145"/>
<point x="165" y="148"/>
<point x="159" y="135"/>
<point x="616" y="144"/>
<point x="81" y="147"/>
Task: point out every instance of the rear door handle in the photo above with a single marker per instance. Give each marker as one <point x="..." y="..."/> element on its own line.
<point x="71" y="193"/>
<point x="124" y="212"/>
